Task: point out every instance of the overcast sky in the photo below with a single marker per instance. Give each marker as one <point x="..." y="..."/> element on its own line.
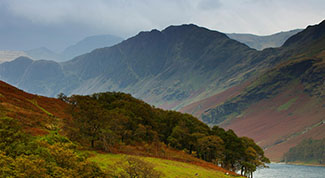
<point x="58" y="23"/>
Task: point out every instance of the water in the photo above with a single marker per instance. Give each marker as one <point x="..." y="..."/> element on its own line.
<point x="290" y="171"/>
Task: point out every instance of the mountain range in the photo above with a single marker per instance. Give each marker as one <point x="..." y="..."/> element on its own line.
<point x="86" y="45"/>
<point x="202" y="72"/>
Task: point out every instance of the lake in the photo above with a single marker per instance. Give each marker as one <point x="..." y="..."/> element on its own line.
<point x="290" y="171"/>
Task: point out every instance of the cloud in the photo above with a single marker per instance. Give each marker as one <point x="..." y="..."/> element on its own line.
<point x="125" y="18"/>
<point x="209" y="4"/>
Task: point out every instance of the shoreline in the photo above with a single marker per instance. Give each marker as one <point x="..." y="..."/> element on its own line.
<point x="299" y="164"/>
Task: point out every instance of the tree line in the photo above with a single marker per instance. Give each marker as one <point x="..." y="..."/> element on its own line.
<point x="308" y="150"/>
<point x="105" y="120"/>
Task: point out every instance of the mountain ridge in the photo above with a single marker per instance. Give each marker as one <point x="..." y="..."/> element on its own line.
<point x="262" y="42"/>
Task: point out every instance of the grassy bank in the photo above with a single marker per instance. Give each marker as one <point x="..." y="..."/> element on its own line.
<point x="169" y="168"/>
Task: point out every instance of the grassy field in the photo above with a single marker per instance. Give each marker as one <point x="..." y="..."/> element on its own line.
<point x="173" y="169"/>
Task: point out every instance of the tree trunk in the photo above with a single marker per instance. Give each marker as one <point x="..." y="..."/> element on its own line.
<point x="241" y="170"/>
<point x="92" y="143"/>
<point x="252" y="174"/>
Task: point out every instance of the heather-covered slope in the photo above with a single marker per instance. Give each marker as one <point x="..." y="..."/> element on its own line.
<point x="37" y="114"/>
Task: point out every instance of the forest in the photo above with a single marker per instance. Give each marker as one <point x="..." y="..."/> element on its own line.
<point x="105" y="121"/>
<point x="308" y="151"/>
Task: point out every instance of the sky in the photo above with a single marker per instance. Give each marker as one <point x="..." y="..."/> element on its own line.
<point x="56" y="24"/>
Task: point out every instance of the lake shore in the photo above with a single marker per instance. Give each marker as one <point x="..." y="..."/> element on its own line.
<point x="300" y="163"/>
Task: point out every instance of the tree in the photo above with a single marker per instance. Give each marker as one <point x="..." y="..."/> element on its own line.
<point x="89" y="117"/>
<point x="233" y="151"/>
<point x="211" y="148"/>
<point x="133" y="167"/>
<point x="63" y="97"/>
<point x="179" y="137"/>
<point x="12" y="139"/>
<point x="6" y="165"/>
<point x="252" y="158"/>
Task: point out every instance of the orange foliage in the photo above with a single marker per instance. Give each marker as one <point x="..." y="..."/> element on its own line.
<point x="26" y="108"/>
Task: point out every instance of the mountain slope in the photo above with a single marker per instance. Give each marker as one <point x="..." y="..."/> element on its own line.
<point x="37" y="114"/>
<point x="262" y="42"/>
<point x="160" y="61"/>
<point x="171" y="66"/>
<point x="280" y="107"/>
<point x="88" y="44"/>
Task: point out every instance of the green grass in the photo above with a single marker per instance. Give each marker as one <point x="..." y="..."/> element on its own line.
<point x="287" y="105"/>
<point x="173" y="169"/>
<point x="44" y="110"/>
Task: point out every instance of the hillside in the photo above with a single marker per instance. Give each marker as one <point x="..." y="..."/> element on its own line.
<point x="308" y="151"/>
<point x="44" y="130"/>
<point x="261" y="42"/>
<point x="169" y="168"/>
<point x="280" y="107"/>
<point x="37" y="114"/>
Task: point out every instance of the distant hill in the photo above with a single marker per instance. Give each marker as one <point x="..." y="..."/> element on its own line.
<point x="84" y="46"/>
<point x="262" y="42"/>
<point x="88" y="44"/>
<point x="11" y="55"/>
<point x="43" y="53"/>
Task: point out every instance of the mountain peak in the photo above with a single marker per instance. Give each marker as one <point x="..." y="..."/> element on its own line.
<point x="23" y="59"/>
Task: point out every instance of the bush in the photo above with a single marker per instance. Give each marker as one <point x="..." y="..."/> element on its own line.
<point x="132" y="167"/>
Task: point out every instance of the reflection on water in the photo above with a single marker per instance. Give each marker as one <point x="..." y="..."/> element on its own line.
<point x="290" y="171"/>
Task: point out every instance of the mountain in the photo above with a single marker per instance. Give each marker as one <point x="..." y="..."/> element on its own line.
<point x="172" y="65"/>
<point x="10" y="55"/>
<point x="43" y="53"/>
<point x="84" y="46"/>
<point x="88" y="44"/>
<point x="280" y="107"/>
<point x="204" y="73"/>
<point x="262" y="42"/>
<point x="169" y="68"/>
